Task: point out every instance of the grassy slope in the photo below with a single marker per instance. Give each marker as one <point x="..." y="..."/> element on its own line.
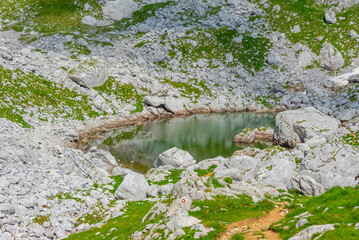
<point x="340" y="203"/>
<point x="223" y="210"/>
<point x="118" y="228"/>
<point x="19" y="92"/>
<point x="310" y="18"/>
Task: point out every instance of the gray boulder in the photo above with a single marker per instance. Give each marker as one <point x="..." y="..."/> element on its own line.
<point x="275" y="168"/>
<point x="299" y="126"/>
<point x="330" y="17"/>
<point x="332" y="164"/>
<point x="347" y="114"/>
<point x="330" y="58"/>
<point x="91" y="72"/>
<point x="307" y="185"/>
<point x="133" y="188"/>
<point x="301" y="223"/>
<point x="153" y="101"/>
<point x="307" y="233"/>
<point x="119" y="9"/>
<point x="306" y="58"/>
<point x="274" y="58"/>
<point x="176" y="158"/>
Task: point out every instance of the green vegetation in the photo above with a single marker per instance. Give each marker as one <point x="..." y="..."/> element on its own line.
<point x="221" y="211"/>
<point x="264" y="100"/>
<point x="62" y="195"/>
<point x="237" y="236"/>
<point x="193" y="88"/>
<point x="48" y="17"/>
<point x="352" y="139"/>
<point x="117" y="180"/>
<point x="217" y="44"/>
<point x="202" y="172"/>
<point x="20" y="92"/>
<point x="41" y="219"/>
<point x="173" y="177"/>
<point x="123" y="92"/>
<point x="310" y="17"/>
<point x="76" y="48"/>
<point x="334" y="206"/>
<point x="121" y="227"/>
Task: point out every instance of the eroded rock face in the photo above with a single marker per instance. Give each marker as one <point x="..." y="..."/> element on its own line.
<point x="300" y="126"/>
<point x="175" y="157"/>
<point x="91" y="72"/>
<point x="310" y="231"/>
<point x="330" y="58"/>
<point x="307" y="185"/>
<point x="119" y="9"/>
<point x="332" y="164"/>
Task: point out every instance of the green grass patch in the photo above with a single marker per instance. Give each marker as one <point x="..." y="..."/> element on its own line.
<point x="194" y="88"/>
<point x="237" y="236"/>
<point x="76" y="48"/>
<point x="121" y="227"/>
<point x="41" y="219"/>
<point x="19" y="92"/>
<point x="215" y="44"/>
<point x="340" y="203"/>
<point x="202" y="172"/>
<point x="223" y="210"/>
<point x="173" y="177"/>
<point x="123" y="92"/>
<point x="116" y="183"/>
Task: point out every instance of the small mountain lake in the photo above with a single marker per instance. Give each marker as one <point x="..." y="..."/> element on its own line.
<point x="204" y="136"/>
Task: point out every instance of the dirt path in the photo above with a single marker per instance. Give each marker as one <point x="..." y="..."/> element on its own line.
<point x="256" y="228"/>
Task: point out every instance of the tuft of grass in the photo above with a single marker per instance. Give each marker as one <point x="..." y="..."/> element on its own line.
<point x="202" y="172"/>
<point x="221" y="211"/>
<point x="116" y="183"/>
<point x="173" y="177"/>
<point x="41" y="219"/>
<point x="237" y="236"/>
<point x="76" y="48"/>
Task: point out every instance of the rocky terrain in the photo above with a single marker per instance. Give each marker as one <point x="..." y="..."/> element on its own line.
<point x="71" y="68"/>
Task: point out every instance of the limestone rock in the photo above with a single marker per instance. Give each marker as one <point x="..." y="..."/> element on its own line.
<point x="91" y="72"/>
<point x="307" y="185"/>
<point x="306" y="58"/>
<point x="274" y="58"/>
<point x="154" y="101"/>
<point x="330" y="17"/>
<point x="330" y="58"/>
<point x="175" y="157"/>
<point x="246" y="136"/>
<point x="310" y="231"/>
<point x="133" y="188"/>
<point x="299" y="126"/>
<point x="119" y="9"/>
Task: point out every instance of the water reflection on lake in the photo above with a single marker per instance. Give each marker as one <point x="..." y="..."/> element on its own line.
<point x="203" y="136"/>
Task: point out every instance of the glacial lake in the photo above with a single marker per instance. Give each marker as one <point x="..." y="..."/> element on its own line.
<point x="204" y="136"/>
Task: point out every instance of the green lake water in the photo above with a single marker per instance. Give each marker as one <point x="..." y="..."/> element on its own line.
<point x="204" y="136"/>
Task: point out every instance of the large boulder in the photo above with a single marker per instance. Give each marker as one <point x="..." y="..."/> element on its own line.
<point x="119" y="9"/>
<point x="332" y="164"/>
<point x="307" y="185"/>
<point x="133" y="188"/>
<point x="310" y="231"/>
<point x="300" y="126"/>
<point x="330" y="58"/>
<point x="175" y="157"/>
<point x="91" y="72"/>
<point x="275" y="167"/>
